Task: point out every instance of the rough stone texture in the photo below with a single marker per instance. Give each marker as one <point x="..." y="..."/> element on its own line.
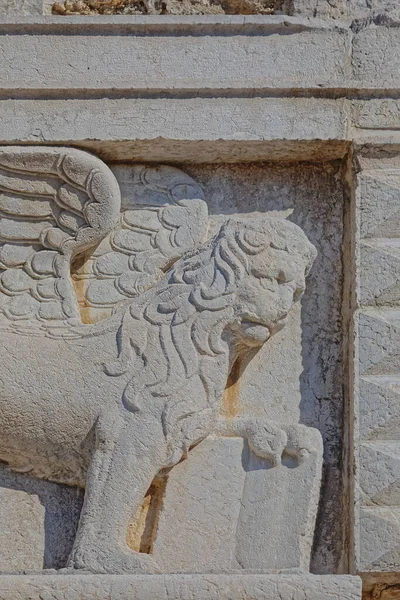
<point x="207" y="109"/>
<point x="376" y="114"/>
<point x="198" y="129"/>
<point x="38" y="522"/>
<point x="388" y="590"/>
<point x="370" y="63"/>
<point x="194" y="119"/>
<point x="153" y="45"/>
<point x="212" y="472"/>
<point x="237" y="504"/>
<point x="180" y="587"/>
<point x="310" y="348"/>
<point x="341" y="9"/>
<point x="20" y="8"/>
<point x="335" y="9"/>
<point x="117" y="402"/>
<point x="264" y="190"/>
<point x="376" y="398"/>
<point x="241" y="89"/>
<point x="163" y="7"/>
<point x="363" y="56"/>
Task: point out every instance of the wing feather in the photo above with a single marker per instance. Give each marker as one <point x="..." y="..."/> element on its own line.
<point x="55" y="203"/>
<point x="164" y="215"/>
<point x="68" y="253"/>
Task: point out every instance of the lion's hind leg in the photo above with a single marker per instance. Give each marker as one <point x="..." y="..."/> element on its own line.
<point x="129" y="452"/>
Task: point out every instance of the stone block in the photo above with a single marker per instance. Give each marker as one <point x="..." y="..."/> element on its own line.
<point x="380" y="271"/>
<point x="377" y="371"/>
<point x="306" y="349"/>
<point x="205" y="90"/>
<point x="379" y="537"/>
<point x="211" y="109"/>
<point x="38" y="522"/>
<point x="224" y="508"/>
<point x="379" y="415"/>
<point x="278" y="503"/>
<point x="377" y="197"/>
<point x="200" y="511"/>
<point x="209" y="129"/>
<point x="376" y="56"/>
<point x="142" y="315"/>
<point x="340" y="9"/>
<point x="375" y="113"/>
<point x="180" y="587"/>
<point x="153" y="53"/>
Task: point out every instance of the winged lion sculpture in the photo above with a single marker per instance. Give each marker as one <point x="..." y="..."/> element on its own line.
<point x="120" y="325"/>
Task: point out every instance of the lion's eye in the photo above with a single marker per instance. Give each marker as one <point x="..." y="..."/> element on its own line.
<point x="284" y="277"/>
<point x="268" y="283"/>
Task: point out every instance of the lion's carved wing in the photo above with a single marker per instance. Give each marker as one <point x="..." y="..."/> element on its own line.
<point x="69" y="252"/>
<point x="54" y="204"/>
<point x="163" y="216"/>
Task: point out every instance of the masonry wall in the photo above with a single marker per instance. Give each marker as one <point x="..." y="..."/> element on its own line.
<point x="293" y="112"/>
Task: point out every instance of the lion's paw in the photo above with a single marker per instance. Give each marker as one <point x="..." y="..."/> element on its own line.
<point x="267" y="440"/>
<point x="303" y="441"/>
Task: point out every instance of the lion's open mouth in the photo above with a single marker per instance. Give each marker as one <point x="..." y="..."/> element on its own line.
<point x="254" y="332"/>
<point x="257" y="332"/>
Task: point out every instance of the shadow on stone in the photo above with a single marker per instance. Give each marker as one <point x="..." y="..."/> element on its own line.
<point x="36" y="515"/>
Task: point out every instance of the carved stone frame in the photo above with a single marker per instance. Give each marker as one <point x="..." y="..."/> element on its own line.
<point x="318" y="91"/>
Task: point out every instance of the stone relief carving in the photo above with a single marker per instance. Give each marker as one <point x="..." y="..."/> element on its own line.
<point x="109" y="404"/>
<point x="252" y="515"/>
<point x="165" y="216"/>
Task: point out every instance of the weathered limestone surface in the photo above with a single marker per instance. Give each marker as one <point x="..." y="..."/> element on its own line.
<point x="241" y="511"/>
<point x="21" y="8"/>
<point x="87" y="247"/>
<point x="298" y="195"/>
<point x="139" y="49"/>
<point x="195" y="129"/>
<point x="269" y="97"/>
<point x="310" y="350"/>
<point x="337" y="9"/>
<point x="38" y="522"/>
<point x="180" y="587"/>
<point x="377" y="450"/>
<point x="118" y="402"/>
<point x="352" y="57"/>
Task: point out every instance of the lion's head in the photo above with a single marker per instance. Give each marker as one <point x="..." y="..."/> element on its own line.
<point x="255" y="268"/>
<point x="271" y="259"/>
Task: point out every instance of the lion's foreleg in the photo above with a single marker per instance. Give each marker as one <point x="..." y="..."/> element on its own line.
<point x="129" y="452"/>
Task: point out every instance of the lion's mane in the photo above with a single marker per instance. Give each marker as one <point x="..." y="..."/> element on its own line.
<point x="187" y="312"/>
